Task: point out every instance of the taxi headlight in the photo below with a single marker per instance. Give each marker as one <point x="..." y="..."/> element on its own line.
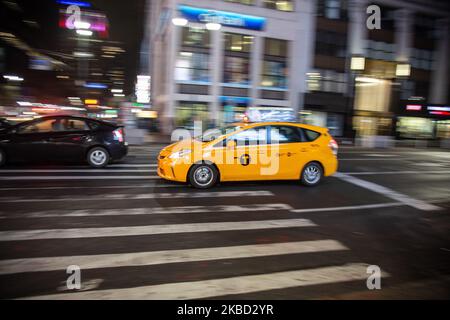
<point x="180" y="154"/>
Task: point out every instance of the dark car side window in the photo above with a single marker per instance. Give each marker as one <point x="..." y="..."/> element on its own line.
<point x="39" y="127"/>
<point x="285" y="134"/>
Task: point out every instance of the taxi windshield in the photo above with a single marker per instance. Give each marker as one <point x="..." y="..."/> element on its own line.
<point x="212" y="134"/>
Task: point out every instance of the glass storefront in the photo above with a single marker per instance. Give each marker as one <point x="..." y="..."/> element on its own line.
<point x="286" y="5"/>
<point x="422" y="128"/>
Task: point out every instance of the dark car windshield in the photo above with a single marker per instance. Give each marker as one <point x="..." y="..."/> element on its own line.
<point x="212" y="134"/>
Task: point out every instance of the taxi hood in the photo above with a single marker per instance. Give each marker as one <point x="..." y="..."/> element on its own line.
<point x="181" y="145"/>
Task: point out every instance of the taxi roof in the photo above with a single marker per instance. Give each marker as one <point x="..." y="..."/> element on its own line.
<point x="277" y="123"/>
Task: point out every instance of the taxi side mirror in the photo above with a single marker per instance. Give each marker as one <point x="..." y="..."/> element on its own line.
<point x="231" y="144"/>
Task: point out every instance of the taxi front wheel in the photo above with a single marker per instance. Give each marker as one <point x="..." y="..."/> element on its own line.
<point x="312" y="174"/>
<point x="203" y="176"/>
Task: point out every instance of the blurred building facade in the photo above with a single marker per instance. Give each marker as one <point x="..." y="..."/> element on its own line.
<point x="215" y="60"/>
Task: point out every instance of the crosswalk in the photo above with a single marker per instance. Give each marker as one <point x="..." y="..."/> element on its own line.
<point x="148" y="239"/>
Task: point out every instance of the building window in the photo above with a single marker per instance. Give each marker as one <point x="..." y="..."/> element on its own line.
<point x="379" y="50"/>
<point x="283" y="5"/>
<point x="422" y="59"/>
<point x="192" y="62"/>
<point x="247" y="2"/>
<point x="195" y="37"/>
<point x="333" y="9"/>
<point x="331" y="43"/>
<point x="235" y="42"/>
<point x="274" y="69"/>
<point x="326" y="81"/>
<point x="236" y="69"/>
<point x="192" y="66"/>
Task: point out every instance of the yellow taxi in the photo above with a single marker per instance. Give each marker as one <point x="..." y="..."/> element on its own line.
<point x="251" y="151"/>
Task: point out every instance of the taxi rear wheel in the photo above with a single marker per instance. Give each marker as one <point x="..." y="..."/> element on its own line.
<point x="203" y="176"/>
<point x="312" y="174"/>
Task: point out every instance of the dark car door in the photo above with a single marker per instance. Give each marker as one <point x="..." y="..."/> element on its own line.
<point x="29" y="141"/>
<point x="72" y="140"/>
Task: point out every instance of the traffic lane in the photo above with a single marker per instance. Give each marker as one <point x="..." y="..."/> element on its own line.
<point x="332" y="192"/>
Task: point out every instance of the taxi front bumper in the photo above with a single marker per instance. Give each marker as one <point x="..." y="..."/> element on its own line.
<point x="173" y="169"/>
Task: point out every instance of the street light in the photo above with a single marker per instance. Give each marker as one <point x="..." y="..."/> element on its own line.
<point x="357" y="63"/>
<point x="403" y="70"/>
<point x="213" y="26"/>
<point x="180" y="22"/>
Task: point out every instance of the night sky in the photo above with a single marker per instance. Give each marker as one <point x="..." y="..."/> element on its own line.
<point x="126" y="19"/>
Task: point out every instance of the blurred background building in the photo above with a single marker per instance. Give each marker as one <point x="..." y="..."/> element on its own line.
<point x="61" y="56"/>
<point x="312" y="60"/>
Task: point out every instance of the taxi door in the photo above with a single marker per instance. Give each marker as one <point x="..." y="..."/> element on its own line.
<point x="241" y="154"/>
<point x="290" y="151"/>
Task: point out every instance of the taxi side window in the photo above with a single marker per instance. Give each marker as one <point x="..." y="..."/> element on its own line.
<point x="285" y="134"/>
<point x="250" y="137"/>
<point x="310" y="135"/>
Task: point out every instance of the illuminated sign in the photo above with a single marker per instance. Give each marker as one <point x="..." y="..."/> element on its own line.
<point x="224" y="18"/>
<point x="75" y="3"/>
<point x="142" y="91"/>
<point x="413" y="107"/>
<point x="438" y="108"/>
<point x="91" y="101"/>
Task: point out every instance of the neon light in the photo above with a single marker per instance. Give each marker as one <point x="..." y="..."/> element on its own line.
<point x="413" y="107"/>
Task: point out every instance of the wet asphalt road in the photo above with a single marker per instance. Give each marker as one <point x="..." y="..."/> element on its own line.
<point x="136" y="236"/>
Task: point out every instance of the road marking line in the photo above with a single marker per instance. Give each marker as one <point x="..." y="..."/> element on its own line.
<point x="395" y="172"/>
<point x="372" y="159"/>
<point x="76" y="233"/>
<point x="228" y="286"/>
<point x="166" y="256"/>
<point x="31" y="178"/>
<point x="125" y="186"/>
<point x="361" y="207"/>
<point x="387" y="192"/>
<point x="133" y="165"/>
<point x="148" y="211"/>
<point x="144" y="196"/>
<point x="74" y="170"/>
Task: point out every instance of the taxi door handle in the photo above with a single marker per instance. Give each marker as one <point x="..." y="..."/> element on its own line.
<point x="303" y="150"/>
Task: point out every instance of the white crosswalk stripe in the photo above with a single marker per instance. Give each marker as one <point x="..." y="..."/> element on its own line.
<point x="227" y="286"/>
<point x="167" y="256"/>
<point x="76" y="233"/>
<point x="149" y="211"/>
<point x="143" y="196"/>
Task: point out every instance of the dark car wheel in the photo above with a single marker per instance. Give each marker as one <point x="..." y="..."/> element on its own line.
<point x="98" y="157"/>
<point x="2" y="158"/>
<point x="312" y="174"/>
<point x="203" y="176"/>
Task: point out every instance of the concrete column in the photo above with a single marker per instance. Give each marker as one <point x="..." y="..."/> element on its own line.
<point x="357" y="26"/>
<point x="439" y="78"/>
<point x="301" y="53"/>
<point x="256" y="60"/>
<point x="403" y="34"/>
<point x="216" y="65"/>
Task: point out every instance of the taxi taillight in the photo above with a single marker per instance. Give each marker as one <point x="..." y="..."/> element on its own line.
<point x="333" y="146"/>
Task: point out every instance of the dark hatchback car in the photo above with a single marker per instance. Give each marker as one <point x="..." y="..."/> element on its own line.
<point x="63" y="138"/>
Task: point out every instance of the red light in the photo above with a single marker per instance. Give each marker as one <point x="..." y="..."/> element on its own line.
<point x="441" y="113"/>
